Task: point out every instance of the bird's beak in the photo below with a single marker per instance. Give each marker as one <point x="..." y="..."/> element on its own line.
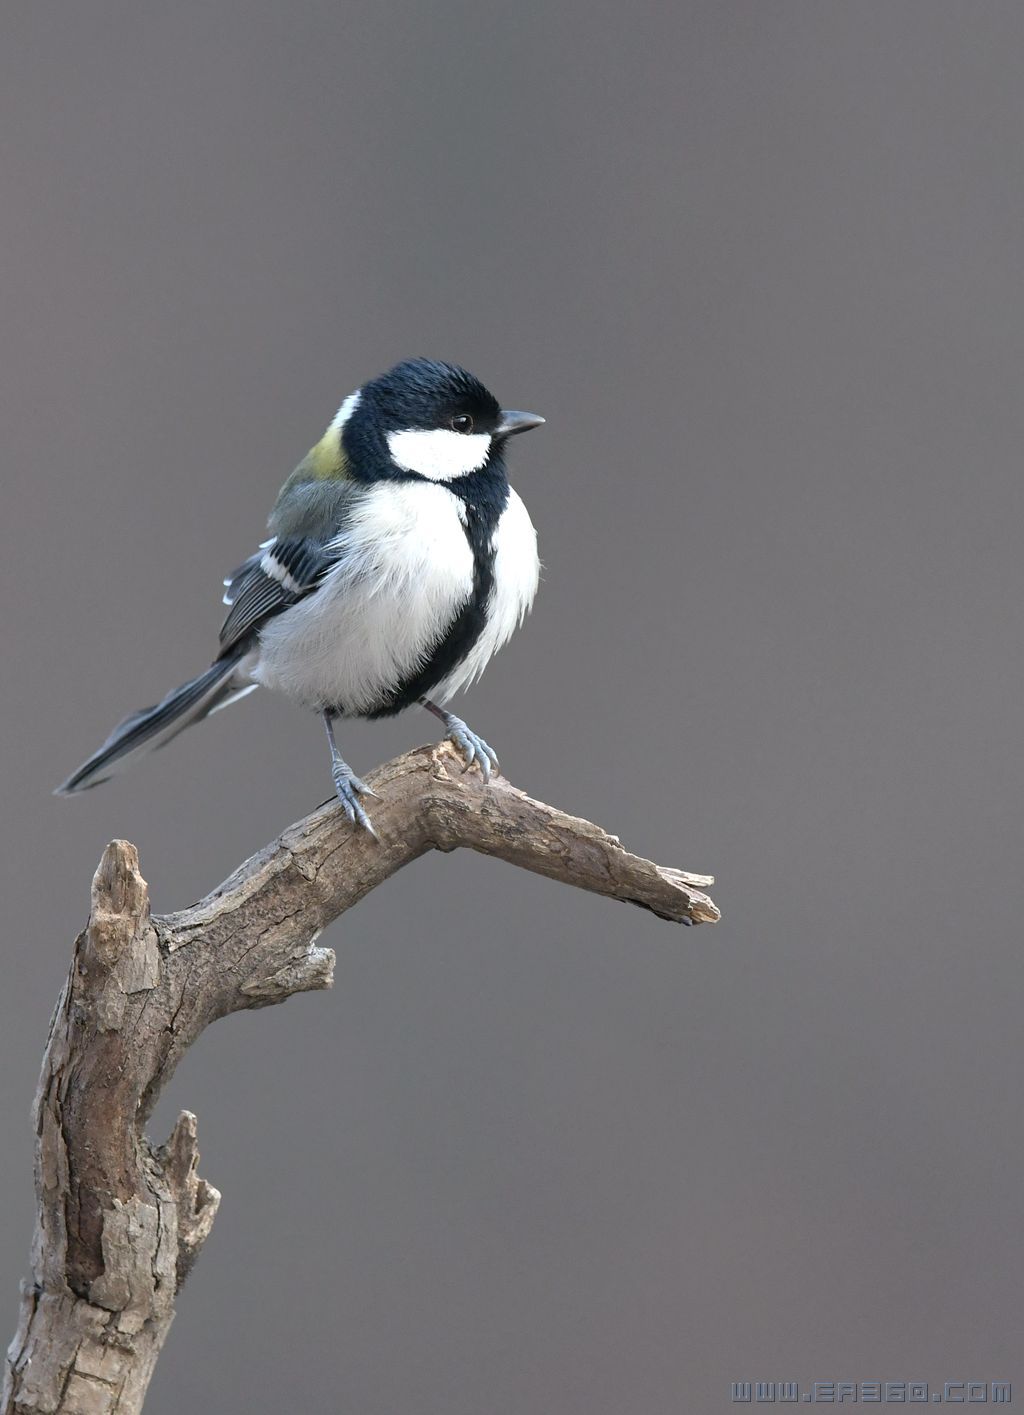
<point x="517" y="422"/>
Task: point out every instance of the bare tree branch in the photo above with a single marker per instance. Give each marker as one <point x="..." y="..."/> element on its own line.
<point x="121" y="1221"/>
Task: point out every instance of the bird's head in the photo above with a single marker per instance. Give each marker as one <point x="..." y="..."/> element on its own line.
<point x="423" y="419"/>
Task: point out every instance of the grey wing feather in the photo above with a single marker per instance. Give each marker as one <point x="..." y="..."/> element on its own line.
<point x="307" y="519"/>
<point x="234" y="581"/>
<point x="270" y="582"/>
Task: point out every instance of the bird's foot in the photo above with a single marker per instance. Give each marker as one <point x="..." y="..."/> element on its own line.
<point x="348" y="788"/>
<point x="472" y="747"/>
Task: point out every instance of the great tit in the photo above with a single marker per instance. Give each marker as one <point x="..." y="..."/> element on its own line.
<point x="399" y="561"/>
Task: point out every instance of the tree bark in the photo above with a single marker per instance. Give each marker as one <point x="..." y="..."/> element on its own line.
<point x="120" y="1221"/>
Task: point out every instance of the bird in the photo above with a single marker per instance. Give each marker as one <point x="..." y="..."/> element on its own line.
<point x="399" y="561"/>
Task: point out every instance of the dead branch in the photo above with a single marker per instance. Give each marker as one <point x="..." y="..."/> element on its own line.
<point x="120" y="1221"/>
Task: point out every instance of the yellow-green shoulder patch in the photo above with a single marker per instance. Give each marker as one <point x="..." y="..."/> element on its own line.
<point x="326" y="461"/>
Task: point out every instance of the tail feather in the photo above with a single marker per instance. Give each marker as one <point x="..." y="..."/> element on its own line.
<point x="155" y="726"/>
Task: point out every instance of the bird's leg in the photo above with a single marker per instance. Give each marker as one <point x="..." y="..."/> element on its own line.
<point x="472" y="747"/>
<point x="347" y="785"/>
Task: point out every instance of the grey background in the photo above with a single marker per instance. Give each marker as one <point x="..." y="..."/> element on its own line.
<point x="761" y="267"/>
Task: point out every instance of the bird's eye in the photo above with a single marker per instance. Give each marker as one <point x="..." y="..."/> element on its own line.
<point x="462" y="422"/>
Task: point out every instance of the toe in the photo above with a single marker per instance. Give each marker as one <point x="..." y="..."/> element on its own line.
<point x="348" y="789"/>
<point x="473" y="749"/>
<point x="463" y="743"/>
<point x="364" y="820"/>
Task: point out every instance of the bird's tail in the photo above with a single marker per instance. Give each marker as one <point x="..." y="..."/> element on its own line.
<point x="154" y="726"/>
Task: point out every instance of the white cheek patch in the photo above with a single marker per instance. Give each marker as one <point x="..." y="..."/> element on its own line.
<point x="346" y="410"/>
<point x="438" y="453"/>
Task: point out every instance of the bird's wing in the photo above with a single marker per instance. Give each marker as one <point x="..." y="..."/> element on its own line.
<point x="282" y="572"/>
<point x="234" y="582"/>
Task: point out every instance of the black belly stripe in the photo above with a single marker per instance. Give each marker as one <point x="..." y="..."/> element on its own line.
<point x="483" y="513"/>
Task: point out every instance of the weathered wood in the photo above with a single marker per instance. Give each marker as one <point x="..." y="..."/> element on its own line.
<point x="121" y="1221"/>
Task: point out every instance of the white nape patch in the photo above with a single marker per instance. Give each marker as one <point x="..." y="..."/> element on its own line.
<point x="516" y="576"/>
<point x="406" y="570"/>
<point x="439" y="453"/>
<point x="270" y="565"/>
<point x="346" y="410"/>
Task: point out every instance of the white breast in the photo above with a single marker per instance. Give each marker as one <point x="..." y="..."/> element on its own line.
<point x="406" y="571"/>
<point x="516" y="576"/>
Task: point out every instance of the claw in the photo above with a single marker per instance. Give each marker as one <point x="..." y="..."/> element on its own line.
<point x="348" y="789"/>
<point x="347" y="786"/>
<point x="473" y="747"/>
